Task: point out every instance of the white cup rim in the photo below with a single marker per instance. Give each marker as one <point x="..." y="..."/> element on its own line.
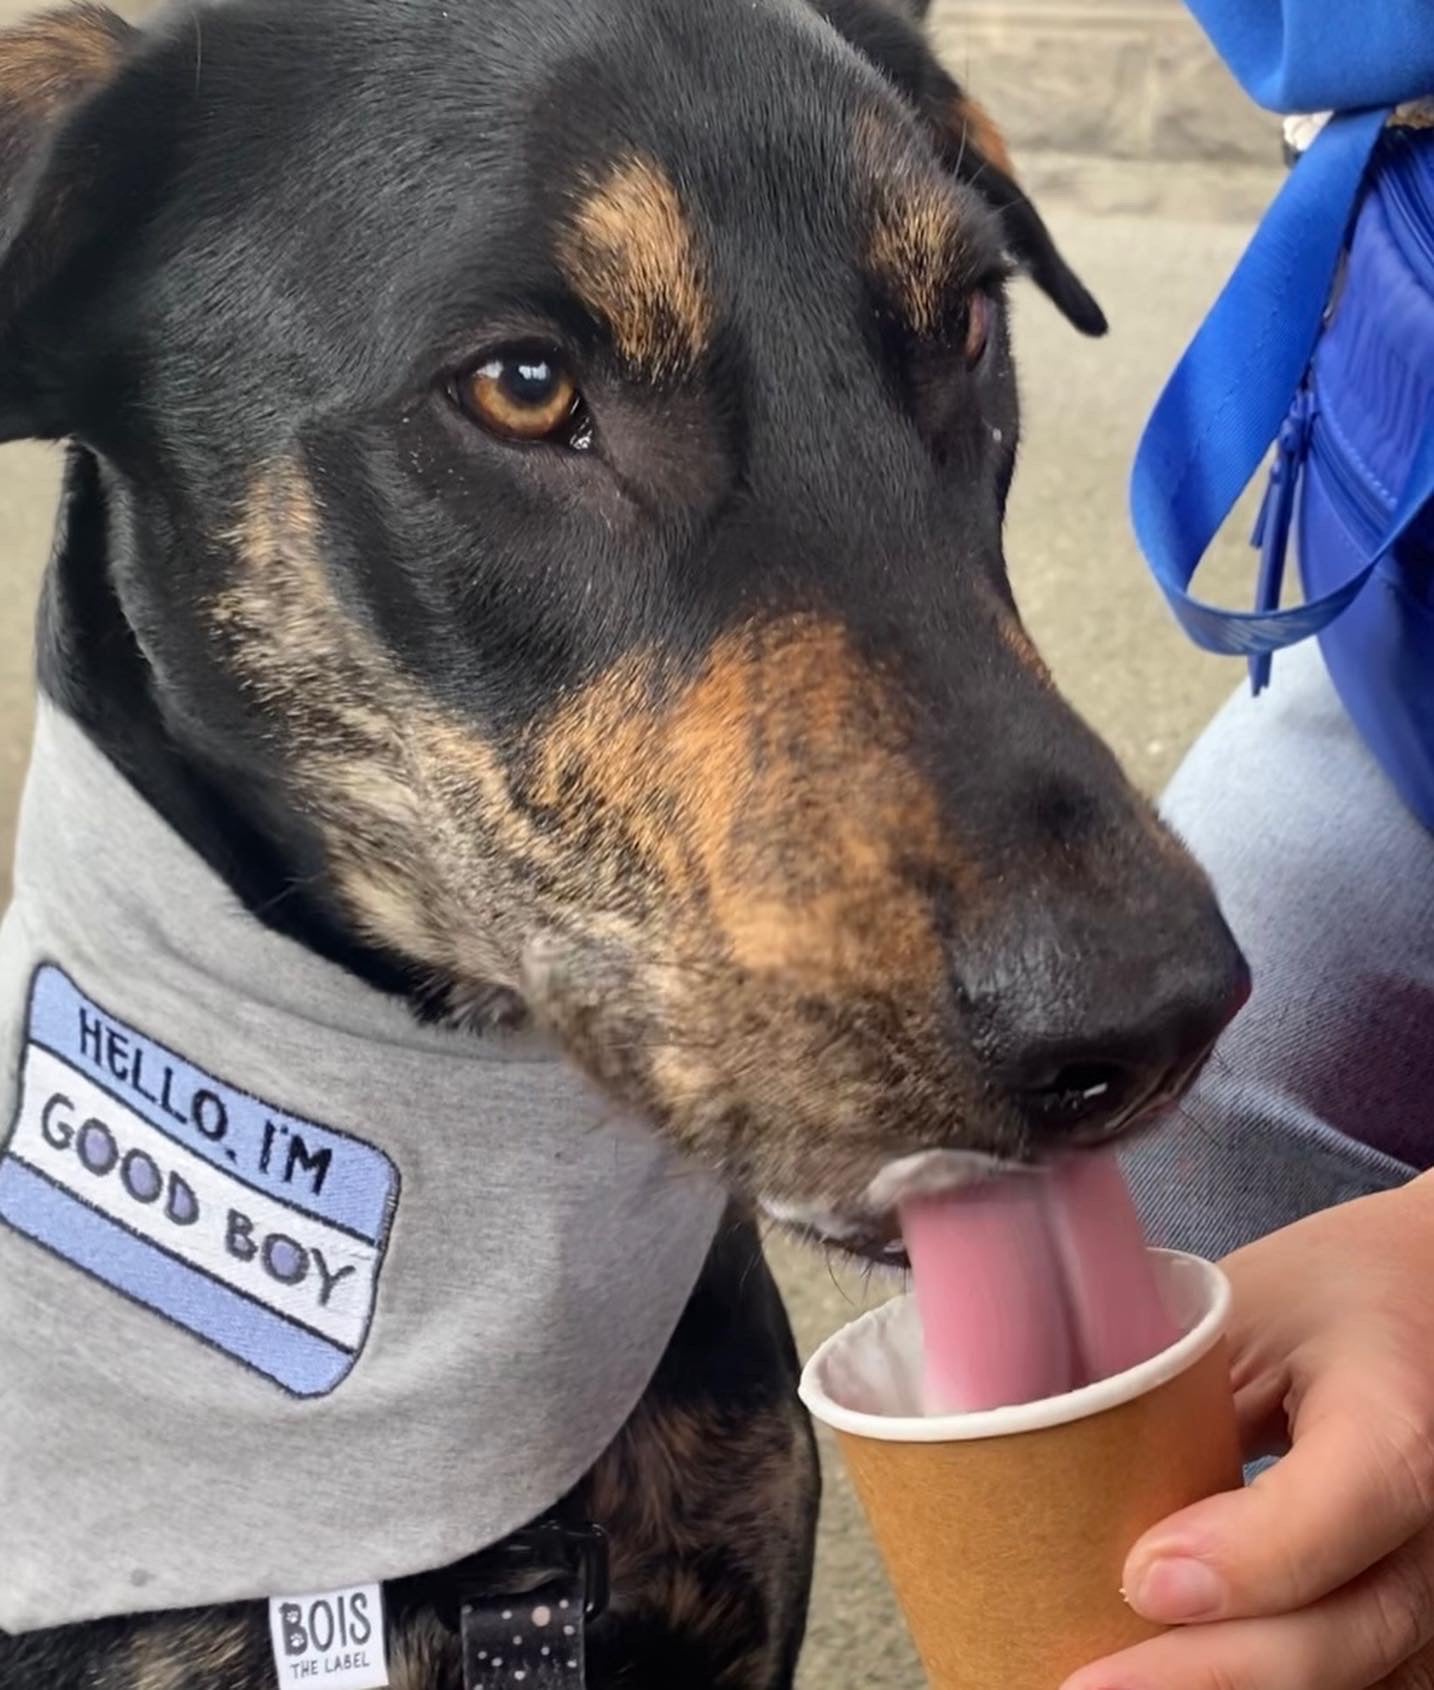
<point x="1090" y="1400"/>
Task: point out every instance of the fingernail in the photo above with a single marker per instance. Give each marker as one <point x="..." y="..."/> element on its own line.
<point x="1178" y="1590"/>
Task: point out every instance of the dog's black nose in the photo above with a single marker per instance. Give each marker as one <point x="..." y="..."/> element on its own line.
<point x="1083" y="1041"/>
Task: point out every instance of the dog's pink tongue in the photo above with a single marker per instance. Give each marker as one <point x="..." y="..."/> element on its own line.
<point x="1115" y="1301"/>
<point x="1031" y="1286"/>
<point x="988" y="1289"/>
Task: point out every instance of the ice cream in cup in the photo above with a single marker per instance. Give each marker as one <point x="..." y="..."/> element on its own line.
<point x="1049" y="1391"/>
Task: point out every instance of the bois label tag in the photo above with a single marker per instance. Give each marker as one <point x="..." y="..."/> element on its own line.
<point x="334" y="1641"/>
<point x="259" y="1232"/>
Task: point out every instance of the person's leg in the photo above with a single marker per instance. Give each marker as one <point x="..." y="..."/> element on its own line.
<point x="1323" y="1089"/>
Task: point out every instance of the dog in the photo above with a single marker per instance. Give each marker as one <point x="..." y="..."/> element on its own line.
<point x="532" y="526"/>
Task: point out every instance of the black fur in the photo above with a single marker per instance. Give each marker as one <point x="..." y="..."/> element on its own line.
<point x="247" y="257"/>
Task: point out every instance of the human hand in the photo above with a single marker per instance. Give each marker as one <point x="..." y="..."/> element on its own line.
<point x="1320" y="1576"/>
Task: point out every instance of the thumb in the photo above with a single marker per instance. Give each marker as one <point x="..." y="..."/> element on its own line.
<point x="1357" y="1485"/>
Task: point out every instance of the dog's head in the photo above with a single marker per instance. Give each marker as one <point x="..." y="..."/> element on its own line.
<point x="553" y="461"/>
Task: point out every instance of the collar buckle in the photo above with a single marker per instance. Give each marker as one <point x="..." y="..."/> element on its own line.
<point x="555" y="1546"/>
<point x="525" y="1606"/>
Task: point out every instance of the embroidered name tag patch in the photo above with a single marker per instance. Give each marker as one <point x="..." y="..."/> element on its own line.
<point x="258" y="1231"/>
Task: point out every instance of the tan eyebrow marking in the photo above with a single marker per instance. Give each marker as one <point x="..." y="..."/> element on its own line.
<point x="631" y="255"/>
<point x="48" y="61"/>
<point x="914" y="237"/>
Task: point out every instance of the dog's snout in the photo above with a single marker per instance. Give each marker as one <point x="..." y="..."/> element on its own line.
<point x="1083" y="1043"/>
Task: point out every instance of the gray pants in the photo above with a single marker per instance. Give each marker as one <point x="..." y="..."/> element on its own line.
<point x="1323" y="1090"/>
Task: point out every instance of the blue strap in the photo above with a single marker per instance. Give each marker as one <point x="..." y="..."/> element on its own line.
<point x="1324" y="55"/>
<point x="1235" y="386"/>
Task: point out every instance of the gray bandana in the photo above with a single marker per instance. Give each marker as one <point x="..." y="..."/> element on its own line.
<point x="294" y="1293"/>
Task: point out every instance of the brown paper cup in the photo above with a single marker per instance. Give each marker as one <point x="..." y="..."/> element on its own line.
<point x="1004" y="1533"/>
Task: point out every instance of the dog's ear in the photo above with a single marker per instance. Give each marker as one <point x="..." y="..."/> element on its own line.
<point x="51" y="68"/>
<point x="889" y="33"/>
<point x="976" y="152"/>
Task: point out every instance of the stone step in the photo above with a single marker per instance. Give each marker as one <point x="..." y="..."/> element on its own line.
<point x="1123" y="79"/>
<point x="1132" y="83"/>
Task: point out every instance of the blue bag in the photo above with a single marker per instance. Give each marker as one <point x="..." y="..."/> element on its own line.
<point x="1324" y="341"/>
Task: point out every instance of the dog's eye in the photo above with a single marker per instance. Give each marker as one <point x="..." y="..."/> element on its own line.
<point x="979" y="314"/>
<point x="524" y="394"/>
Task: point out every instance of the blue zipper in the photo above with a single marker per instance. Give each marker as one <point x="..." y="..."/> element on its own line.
<point x="1358" y="498"/>
<point x="1407" y="186"/>
<point x="1406" y="183"/>
<point x="1277" y="509"/>
<point x="1305" y="435"/>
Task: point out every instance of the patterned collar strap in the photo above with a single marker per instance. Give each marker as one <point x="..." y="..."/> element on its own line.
<point x="533" y="1635"/>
